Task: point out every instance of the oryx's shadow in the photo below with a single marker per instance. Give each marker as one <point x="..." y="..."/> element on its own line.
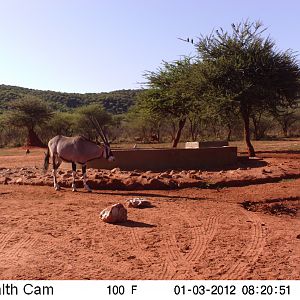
<point x="131" y="223"/>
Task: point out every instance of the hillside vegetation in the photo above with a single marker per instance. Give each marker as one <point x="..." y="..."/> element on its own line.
<point x="116" y="102"/>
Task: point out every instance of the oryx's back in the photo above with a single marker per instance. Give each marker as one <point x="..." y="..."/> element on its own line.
<point x="74" y="149"/>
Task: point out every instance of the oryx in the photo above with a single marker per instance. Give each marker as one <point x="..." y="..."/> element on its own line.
<point x="77" y="149"/>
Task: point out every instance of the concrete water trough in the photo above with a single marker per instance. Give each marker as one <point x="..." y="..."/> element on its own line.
<point x="169" y="159"/>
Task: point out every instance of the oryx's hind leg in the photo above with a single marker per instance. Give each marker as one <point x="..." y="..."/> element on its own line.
<point x="54" y="172"/>
<point x="73" y="175"/>
<point x="84" y="178"/>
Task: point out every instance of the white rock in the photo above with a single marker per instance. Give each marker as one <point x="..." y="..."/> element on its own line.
<point x="19" y="180"/>
<point x="139" y="203"/>
<point x="115" y="170"/>
<point x="116" y="213"/>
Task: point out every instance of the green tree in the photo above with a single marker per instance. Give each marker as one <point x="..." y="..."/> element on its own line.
<point x="116" y="127"/>
<point x="195" y="125"/>
<point x="143" y="123"/>
<point x="244" y="68"/>
<point x="28" y="112"/>
<point x="286" y="118"/>
<point x="173" y="90"/>
<point x="62" y="123"/>
<point x="262" y="122"/>
<point x="88" y="118"/>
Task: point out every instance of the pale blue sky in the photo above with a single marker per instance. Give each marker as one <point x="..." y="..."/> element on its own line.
<point x="96" y="45"/>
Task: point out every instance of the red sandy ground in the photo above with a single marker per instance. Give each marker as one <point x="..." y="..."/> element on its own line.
<point x="190" y="233"/>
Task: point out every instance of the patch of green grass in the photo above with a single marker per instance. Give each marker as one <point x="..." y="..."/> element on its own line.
<point x="270" y="145"/>
<point x="8" y="152"/>
<point x="288" y="179"/>
<point x="19" y="151"/>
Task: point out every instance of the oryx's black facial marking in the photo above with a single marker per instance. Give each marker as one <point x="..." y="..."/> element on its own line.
<point x="108" y="153"/>
<point x="73" y="167"/>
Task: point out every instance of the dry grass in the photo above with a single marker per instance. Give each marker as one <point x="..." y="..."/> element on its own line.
<point x="282" y="145"/>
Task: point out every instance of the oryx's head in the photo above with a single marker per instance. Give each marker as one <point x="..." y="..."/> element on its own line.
<point x="107" y="153"/>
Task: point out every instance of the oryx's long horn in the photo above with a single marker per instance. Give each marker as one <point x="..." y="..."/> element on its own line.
<point x="103" y="133"/>
<point x="93" y="120"/>
<point x="99" y="130"/>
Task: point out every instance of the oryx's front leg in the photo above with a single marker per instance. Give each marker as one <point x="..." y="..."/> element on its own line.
<point x="74" y="176"/>
<point x="54" y="173"/>
<point x="84" y="178"/>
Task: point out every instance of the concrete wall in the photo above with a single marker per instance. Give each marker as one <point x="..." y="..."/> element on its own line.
<point x="166" y="159"/>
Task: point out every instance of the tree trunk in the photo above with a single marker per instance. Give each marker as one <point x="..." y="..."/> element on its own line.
<point x="33" y="140"/>
<point x="192" y="130"/>
<point x="246" y="119"/>
<point x="285" y="129"/>
<point x="229" y="132"/>
<point x="178" y="133"/>
<point x="255" y="129"/>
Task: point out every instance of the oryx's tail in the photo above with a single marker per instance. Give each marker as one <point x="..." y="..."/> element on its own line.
<point x="46" y="161"/>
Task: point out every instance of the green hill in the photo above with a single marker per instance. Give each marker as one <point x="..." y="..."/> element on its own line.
<point x="115" y="102"/>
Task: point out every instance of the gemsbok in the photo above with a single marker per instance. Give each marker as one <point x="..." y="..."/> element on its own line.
<point x="76" y="150"/>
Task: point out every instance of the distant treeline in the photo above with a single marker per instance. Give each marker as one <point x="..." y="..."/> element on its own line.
<point x="116" y="102"/>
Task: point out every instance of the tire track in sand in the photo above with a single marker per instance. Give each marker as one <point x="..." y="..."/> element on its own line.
<point x="203" y="237"/>
<point x="19" y="250"/>
<point x="167" y="268"/>
<point x="172" y="262"/>
<point x="4" y="238"/>
<point x="166" y="271"/>
<point x="202" y="234"/>
<point x="142" y="255"/>
<point x="251" y="252"/>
